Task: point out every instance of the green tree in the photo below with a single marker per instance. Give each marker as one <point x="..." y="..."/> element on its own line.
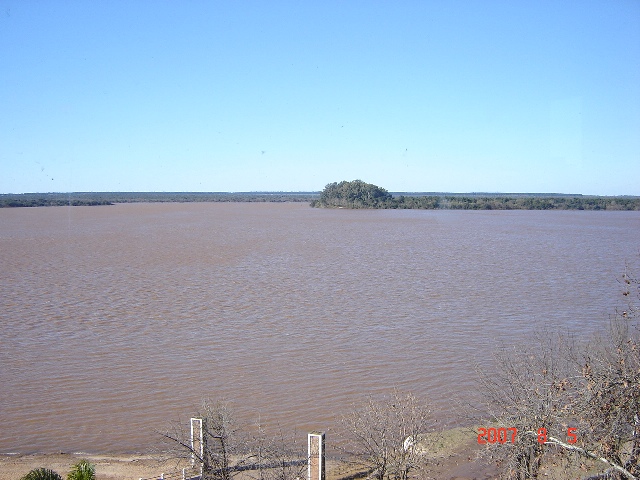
<point x="355" y="194"/>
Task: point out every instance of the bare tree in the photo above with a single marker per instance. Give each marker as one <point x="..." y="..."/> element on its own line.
<point x="577" y="401"/>
<point x="385" y="434"/>
<point x="609" y="406"/>
<point x="528" y="397"/>
<point x="276" y="457"/>
<point x="227" y="449"/>
<point x="219" y="441"/>
<point x="631" y="292"/>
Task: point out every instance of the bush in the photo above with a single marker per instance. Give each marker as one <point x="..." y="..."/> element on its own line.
<point x="83" y="470"/>
<point x="42" y="474"/>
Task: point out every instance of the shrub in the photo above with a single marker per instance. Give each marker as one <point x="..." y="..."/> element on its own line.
<point x="83" y="470"/>
<point x="42" y="474"/>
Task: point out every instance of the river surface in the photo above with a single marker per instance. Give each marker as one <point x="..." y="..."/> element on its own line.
<point x="116" y="321"/>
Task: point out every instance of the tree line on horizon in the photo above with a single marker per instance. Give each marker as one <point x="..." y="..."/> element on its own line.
<point x="76" y="199"/>
<point x="345" y="194"/>
<point x="359" y="194"/>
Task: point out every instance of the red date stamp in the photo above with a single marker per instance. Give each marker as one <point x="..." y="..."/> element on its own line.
<point x="504" y="435"/>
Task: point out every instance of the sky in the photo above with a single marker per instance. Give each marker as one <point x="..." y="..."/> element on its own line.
<point x="423" y="96"/>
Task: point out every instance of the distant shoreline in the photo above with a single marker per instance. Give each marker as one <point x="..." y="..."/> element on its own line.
<point x="402" y="200"/>
<point x="111" y="198"/>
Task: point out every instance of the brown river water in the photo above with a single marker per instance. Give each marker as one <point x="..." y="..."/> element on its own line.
<point x="117" y="320"/>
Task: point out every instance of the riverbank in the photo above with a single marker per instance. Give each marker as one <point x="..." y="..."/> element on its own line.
<point x="125" y="467"/>
<point x="453" y="456"/>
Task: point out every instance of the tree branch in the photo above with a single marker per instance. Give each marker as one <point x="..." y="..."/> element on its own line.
<point x="582" y="451"/>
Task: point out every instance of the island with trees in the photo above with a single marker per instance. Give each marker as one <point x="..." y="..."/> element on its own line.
<point x="359" y="194"/>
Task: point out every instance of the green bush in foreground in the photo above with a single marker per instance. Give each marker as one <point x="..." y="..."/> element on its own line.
<point x="82" y="470"/>
<point x="42" y="474"/>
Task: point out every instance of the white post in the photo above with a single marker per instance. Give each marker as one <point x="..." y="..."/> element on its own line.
<point x="197" y="442"/>
<point x="315" y="462"/>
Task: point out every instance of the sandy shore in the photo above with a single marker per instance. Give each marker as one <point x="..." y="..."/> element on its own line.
<point x="126" y="467"/>
<point x="134" y="467"/>
<point x="453" y="457"/>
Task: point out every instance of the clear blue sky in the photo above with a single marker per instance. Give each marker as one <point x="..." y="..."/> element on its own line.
<point x="459" y="96"/>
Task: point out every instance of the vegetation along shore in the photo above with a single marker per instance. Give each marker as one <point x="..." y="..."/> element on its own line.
<point x="354" y="194"/>
<point x="358" y="194"/>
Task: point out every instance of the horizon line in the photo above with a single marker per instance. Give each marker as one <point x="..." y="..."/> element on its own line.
<point x="313" y="192"/>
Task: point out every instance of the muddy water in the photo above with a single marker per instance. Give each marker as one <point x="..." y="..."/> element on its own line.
<point x="116" y="320"/>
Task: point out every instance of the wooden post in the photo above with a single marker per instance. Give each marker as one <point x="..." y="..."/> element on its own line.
<point x="315" y="448"/>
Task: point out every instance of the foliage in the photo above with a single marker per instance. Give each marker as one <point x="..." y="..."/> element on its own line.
<point x="385" y="435"/>
<point x="355" y="194"/>
<point x="41" y="474"/>
<point x="358" y="194"/>
<point x="83" y="470"/>
<point x="110" y="198"/>
<point x="537" y="202"/>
